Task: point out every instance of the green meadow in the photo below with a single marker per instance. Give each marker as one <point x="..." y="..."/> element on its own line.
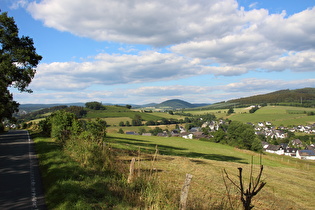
<point x="69" y="185"/>
<point x="277" y="115"/>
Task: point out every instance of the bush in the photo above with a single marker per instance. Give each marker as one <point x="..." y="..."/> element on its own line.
<point x="61" y="125"/>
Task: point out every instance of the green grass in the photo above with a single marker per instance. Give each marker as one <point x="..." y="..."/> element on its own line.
<point x="69" y="185"/>
<point x="192" y="149"/>
<point x="290" y="182"/>
<point x="277" y="115"/>
<point x="117" y="112"/>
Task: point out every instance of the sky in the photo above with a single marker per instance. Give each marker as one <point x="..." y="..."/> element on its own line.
<point x="149" y="51"/>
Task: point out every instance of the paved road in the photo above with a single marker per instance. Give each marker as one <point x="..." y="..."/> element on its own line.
<point x="20" y="184"/>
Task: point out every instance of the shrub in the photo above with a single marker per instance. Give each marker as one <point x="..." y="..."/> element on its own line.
<point x="61" y="125"/>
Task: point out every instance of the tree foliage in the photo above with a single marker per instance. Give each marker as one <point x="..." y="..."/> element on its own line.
<point x="61" y="125"/>
<point x="94" y="105"/>
<point x="137" y="120"/>
<point x="18" y="60"/>
<point x="77" y="110"/>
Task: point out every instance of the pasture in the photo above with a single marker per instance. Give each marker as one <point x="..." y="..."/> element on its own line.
<point x="277" y="115"/>
<point x="290" y="182"/>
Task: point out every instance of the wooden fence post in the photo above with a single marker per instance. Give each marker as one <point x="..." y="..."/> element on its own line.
<point x="132" y="170"/>
<point x="184" y="192"/>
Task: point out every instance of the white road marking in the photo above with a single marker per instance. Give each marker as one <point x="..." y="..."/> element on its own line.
<point x="32" y="175"/>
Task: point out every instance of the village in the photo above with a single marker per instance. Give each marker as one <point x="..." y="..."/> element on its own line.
<point x="294" y="148"/>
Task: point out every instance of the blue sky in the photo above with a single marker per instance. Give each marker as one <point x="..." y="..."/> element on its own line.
<point x="138" y="52"/>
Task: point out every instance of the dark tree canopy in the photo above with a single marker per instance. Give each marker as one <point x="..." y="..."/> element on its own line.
<point x="94" y="105"/>
<point x="18" y="60"/>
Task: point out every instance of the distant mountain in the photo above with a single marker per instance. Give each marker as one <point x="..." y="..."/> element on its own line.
<point x="177" y="104"/>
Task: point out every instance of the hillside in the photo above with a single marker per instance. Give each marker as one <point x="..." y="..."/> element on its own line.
<point x="177" y="104"/>
<point x="302" y="97"/>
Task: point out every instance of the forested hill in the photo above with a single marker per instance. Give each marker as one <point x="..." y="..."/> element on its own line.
<point x="298" y="97"/>
<point x="177" y="104"/>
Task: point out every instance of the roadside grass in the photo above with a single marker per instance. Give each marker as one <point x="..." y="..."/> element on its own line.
<point x="68" y="185"/>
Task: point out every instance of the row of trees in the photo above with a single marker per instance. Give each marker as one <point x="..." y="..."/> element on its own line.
<point x="195" y="121"/>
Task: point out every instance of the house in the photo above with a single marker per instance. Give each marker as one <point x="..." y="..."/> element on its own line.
<point x="305" y="154"/>
<point x="280" y="134"/>
<point x="309" y="147"/>
<point x="214" y="126"/>
<point x="186" y="135"/>
<point x="297" y="143"/>
<point x="284" y="145"/>
<point x="182" y="129"/>
<point x="199" y="135"/>
<point x="276" y="149"/>
<point x="260" y="124"/>
<point x="290" y="152"/>
<point x="194" y="129"/>
<point x="164" y="134"/>
<point x="131" y="133"/>
<point x="264" y="144"/>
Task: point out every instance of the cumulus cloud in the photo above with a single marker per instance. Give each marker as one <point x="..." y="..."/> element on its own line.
<point x="294" y="33"/>
<point x="150" y="94"/>
<point x="216" y="31"/>
<point x="254" y="84"/>
<point x="109" y="69"/>
<point x="213" y="37"/>
<point x="151" y="22"/>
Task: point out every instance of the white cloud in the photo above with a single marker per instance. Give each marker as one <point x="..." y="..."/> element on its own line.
<point x="215" y="32"/>
<point x="109" y="69"/>
<point x="265" y="85"/>
<point x="294" y="33"/>
<point x="157" y="94"/>
<point x="139" y="21"/>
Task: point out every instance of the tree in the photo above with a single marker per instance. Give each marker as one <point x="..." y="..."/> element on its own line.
<point x="241" y="135"/>
<point x="137" y="120"/>
<point x="18" y="60"/>
<point x="94" y="105"/>
<point x="61" y="125"/>
<point x="230" y="111"/>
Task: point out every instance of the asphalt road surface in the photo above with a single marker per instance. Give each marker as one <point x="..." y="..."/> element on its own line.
<point x="20" y="183"/>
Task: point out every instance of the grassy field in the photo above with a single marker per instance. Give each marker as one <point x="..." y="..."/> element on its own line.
<point x="290" y="182"/>
<point x="277" y="115"/>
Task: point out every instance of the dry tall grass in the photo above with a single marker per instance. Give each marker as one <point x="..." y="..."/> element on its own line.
<point x="290" y="186"/>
